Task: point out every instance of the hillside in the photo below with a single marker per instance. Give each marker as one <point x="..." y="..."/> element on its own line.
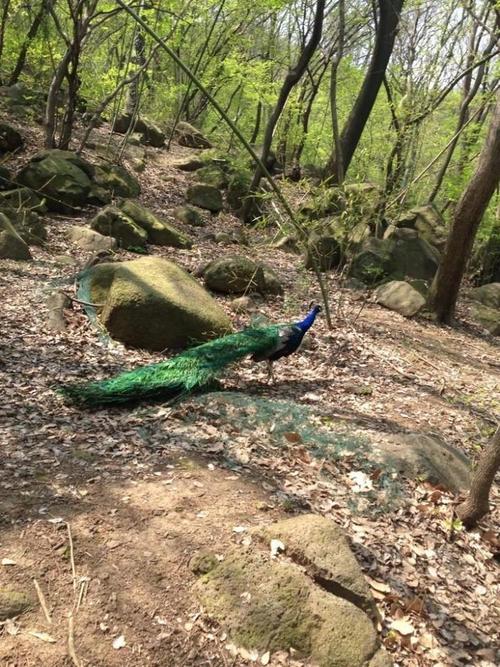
<point x="373" y="425"/>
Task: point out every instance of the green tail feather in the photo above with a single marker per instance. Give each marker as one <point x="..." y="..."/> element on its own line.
<point x="189" y="371"/>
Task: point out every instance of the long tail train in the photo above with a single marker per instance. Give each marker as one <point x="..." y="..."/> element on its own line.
<point x="187" y="372"/>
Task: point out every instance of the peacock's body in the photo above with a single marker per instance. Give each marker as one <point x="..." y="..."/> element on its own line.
<point x="194" y="369"/>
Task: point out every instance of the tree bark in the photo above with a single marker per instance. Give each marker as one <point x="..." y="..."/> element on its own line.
<point x="3" y="25"/>
<point x="476" y="506"/>
<point x="30" y="36"/>
<point x="294" y="75"/>
<point x="467" y="217"/>
<point x="390" y="11"/>
<point x="336" y="168"/>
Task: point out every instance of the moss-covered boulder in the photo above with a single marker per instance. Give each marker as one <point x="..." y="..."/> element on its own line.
<point x="158" y="230"/>
<point x="188" y="215"/>
<point x="323" y="251"/>
<point x="13" y="603"/>
<point x="205" y="196"/>
<point x="237" y="189"/>
<point x="235" y="274"/>
<point x="212" y="175"/>
<point x="401" y="297"/>
<point x="152" y="303"/>
<point x="313" y="602"/>
<point x="487" y="318"/>
<point x="187" y="135"/>
<point x="117" y="179"/>
<point x="321" y="547"/>
<point x="64" y="185"/>
<point x="18" y="198"/>
<point x="488" y="295"/>
<point x="111" y="221"/>
<point x="89" y="239"/>
<point x="10" y="139"/>
<point x="12" y="245"/>
<point x="69" y="156"/>
<point x="27" y="224"/>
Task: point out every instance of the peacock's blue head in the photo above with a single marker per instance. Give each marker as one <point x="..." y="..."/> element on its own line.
<point x="314" y="308"/>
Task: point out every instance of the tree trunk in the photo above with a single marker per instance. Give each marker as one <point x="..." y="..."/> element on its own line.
<point x="30" y="36"/>
<point x="468" y="214"/>
<point x="134" y="89"/>
<point x="476" y="505"/>
<point x="3" y="25"/>
<point x="390" y="11"/>
<point x="294" y="75"/>
<point x="336" y="163"/>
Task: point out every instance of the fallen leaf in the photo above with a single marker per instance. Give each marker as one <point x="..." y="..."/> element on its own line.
<point x="239" y="529"/>
<point x="119" y="642"/>
<point x="8" y="561"/>
<point x="265" y="658"/>
<point x="403" y="626"/>
<point x="10" y="627"/>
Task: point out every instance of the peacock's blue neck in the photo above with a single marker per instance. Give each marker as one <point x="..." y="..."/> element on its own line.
<point x="305" y="324"/>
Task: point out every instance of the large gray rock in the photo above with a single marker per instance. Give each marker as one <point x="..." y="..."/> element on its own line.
<point x="311" y="602"/>
<point x="413" y="258"/>
<point x="205" y="196"/>
<point x="148" y="132"/>
<point x="401" y="297"/>
<point x="487" y="318"/>
<point x="373" y="261"/>
<point x="425" y="456"/>
<point x="70" y="156"/>
<point x="12" y="245"/>
<point x="10" y="139"/>
<point x="427" y="222"/>
<point x="64" y="185"/>
<point x="187" y="135"/>
<point x="111" y="221"/>
<point x="235" y="274"/>
<point x="488" y="295"/>
<point x="152" y="303"/>
<point x="89" y="239"/>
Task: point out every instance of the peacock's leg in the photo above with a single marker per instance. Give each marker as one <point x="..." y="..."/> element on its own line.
<point x="270" y="374"/>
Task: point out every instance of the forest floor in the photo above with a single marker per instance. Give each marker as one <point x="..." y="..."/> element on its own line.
<point x="105" y="509"/>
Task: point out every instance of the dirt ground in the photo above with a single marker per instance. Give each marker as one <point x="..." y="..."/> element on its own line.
<point x="104" y="510"/>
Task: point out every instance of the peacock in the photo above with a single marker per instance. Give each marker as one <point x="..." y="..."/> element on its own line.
<point x="197" y="368"/>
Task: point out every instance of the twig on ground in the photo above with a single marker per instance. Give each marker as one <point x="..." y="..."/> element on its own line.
<point x="71" y="642"/>
<point x="71" y="555"/>
<point x="43" y="603"/>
